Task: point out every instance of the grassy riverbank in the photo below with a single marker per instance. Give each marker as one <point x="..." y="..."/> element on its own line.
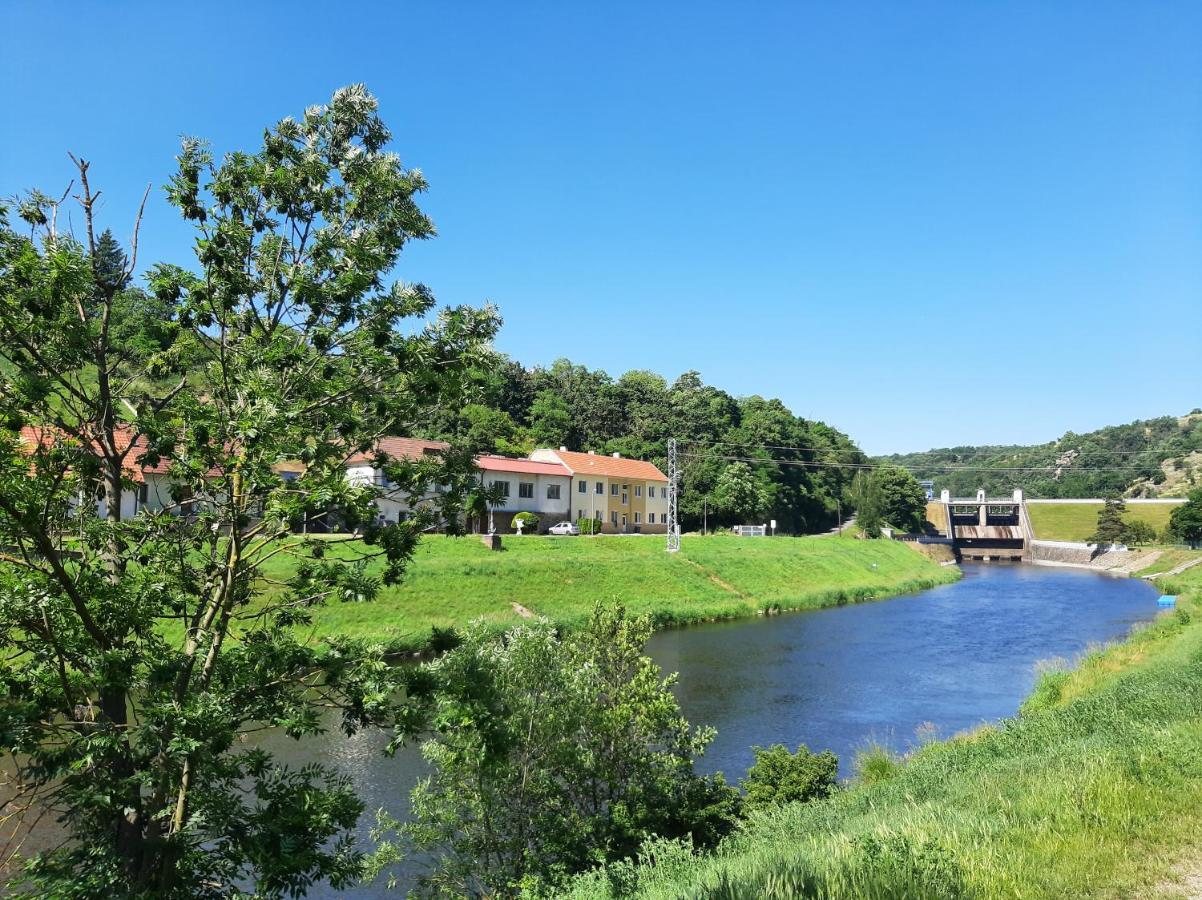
<point x="452" y="581"/>
<point x="1094" y="790"/>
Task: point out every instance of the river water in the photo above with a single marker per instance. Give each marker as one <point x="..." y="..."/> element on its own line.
<point x="939" y="661"/>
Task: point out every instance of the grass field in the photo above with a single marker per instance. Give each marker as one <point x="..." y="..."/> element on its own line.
<point x="1094" y="790"/>
<point x="454" y="580"/>
<point x="1077" y="521"/>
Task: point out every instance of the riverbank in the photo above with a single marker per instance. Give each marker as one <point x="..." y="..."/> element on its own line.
<point x="1093" y="790"/>
<point x="452" y="581"/>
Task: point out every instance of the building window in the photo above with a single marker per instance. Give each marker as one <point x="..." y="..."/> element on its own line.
<point x="552" y="492"/>
<point x="625" y="499"/>
<point x="638" y="518"/>
<point x="650" y="518"/>
<point x="526" y="490"/>
<point x="613" y="517"/>
<point x="503" y="486"/>
<point x="651" y="493"/>
<point x="582" y="487"/>
<point x="600" y="487"/>
<point x="613" y="490"/>
<point x="638" y="490"/>
<point x="597" y="517"/>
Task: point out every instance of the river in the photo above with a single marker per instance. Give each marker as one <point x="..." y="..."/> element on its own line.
<point x="940" y="661"/>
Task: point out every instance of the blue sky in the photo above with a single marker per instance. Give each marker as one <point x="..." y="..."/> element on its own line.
<point x="924" y="223"/>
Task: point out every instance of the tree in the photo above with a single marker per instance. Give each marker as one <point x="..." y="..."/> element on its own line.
<point x="903" y="501"/>
<point x="1140" y="532"/>
<point x="739" y="495"/>
<point x="552" y="753"/>
<point x="550" y="420"/>
<point x="137" y="650"/>
<point x="1185" y="521"/>
<point x="1111" y="527"/>
<point x="778" y="776"/>
<point x="865" y="497"/>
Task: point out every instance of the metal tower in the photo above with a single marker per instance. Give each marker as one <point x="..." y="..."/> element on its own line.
<point x="673" y="497"/>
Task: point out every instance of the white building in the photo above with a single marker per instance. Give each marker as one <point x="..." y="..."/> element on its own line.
<point x="361" y="469"/>
<point x="539" y="487"/>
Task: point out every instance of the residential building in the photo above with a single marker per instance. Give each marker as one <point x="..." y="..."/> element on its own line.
<point x="361" y="469"/>
<point x="543" y="488"/>
<point x="626" y="496"/>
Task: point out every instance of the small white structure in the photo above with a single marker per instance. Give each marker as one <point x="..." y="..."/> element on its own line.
<point x="750" y="530"/>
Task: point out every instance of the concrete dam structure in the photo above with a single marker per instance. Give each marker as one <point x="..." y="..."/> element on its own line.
<point x="987" y="528"/>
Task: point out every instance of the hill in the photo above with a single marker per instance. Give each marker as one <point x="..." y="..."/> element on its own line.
<point x="1150" y="458"/>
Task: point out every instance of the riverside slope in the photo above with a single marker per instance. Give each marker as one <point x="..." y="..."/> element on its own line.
<point x="453" y="581"/>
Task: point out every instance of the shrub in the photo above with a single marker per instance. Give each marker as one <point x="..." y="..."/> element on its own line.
<point x="778" y="776"/>
<point x="529" y="522"/>
<point x="588" y="526"/>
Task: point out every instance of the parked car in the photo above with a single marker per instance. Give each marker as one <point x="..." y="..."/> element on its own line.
<point x="563" y="528"/>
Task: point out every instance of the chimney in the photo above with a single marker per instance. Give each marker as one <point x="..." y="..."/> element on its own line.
<point x="563" y="449"/>
<point x="617" y="456"/>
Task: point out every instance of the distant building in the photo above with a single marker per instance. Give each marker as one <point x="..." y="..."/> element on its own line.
<point x="626" y="496"/>
<point x="528" y="485"/>
<point x="928" y="488"/>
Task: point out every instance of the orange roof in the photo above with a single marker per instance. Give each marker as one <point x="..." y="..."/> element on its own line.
<point x="609" y="466"/>
<point x="400" y="448"/>
<point x="135" y="468"/>
<point x="493" y="463"/>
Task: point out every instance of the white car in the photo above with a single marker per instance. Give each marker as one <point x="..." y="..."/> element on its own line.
<point x="563" y="528"/>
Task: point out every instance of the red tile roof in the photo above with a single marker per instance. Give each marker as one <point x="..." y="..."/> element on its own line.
<point x="609" y="466"/>
<point x="493" y="463"/>
<point x="135" y="468"/>
<point x="400" y="448"/>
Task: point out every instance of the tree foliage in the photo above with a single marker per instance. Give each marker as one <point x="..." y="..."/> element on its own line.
<point x="1185" y="522"/>
<point x="739" y="497"/>
<point x="552" y="753"/>
<point x="903" y="502"/>
<point x="778" y="776"/>
<point x="138" y="649"/>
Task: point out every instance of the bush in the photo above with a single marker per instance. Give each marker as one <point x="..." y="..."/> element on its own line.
<point x="778" y="776"/>
<point x="529" y="522"/>
<point x="588" y="526"/>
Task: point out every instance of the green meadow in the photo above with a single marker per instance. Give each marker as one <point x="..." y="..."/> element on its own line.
<point x="452" y="581"/>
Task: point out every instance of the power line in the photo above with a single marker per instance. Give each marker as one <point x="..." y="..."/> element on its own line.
<point x="818" y="464"/>
<point x="1078" y="450"/>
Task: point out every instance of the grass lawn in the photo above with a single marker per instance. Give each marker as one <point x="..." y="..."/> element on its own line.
<point x="454" y="580"/>
<point x="1077" y="521"/>
<point x="1094" y="790"/>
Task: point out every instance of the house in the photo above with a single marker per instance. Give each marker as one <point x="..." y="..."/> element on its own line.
<point x="625" y="495"/>
<point x="540" y="487"/>
<point x="361" y="469"/>
<point x="151" y="488"/>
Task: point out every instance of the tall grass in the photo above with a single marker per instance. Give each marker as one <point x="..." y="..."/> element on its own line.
<point x="1094" y="789"/>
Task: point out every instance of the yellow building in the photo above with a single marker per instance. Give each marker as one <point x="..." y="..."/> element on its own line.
<point x="627" y="496"/>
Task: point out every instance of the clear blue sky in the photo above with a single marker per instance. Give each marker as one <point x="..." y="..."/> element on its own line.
<point x="844" y="205"/>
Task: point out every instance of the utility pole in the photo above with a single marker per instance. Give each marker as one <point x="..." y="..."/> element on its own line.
<point x="705" y="514"/>
<point x="673" y="499"/>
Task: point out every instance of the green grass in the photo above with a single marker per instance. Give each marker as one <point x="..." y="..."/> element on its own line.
<point x="452" y="581"/>
<point x="1094" y="790"/>
<point x="1077" y="521"/>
